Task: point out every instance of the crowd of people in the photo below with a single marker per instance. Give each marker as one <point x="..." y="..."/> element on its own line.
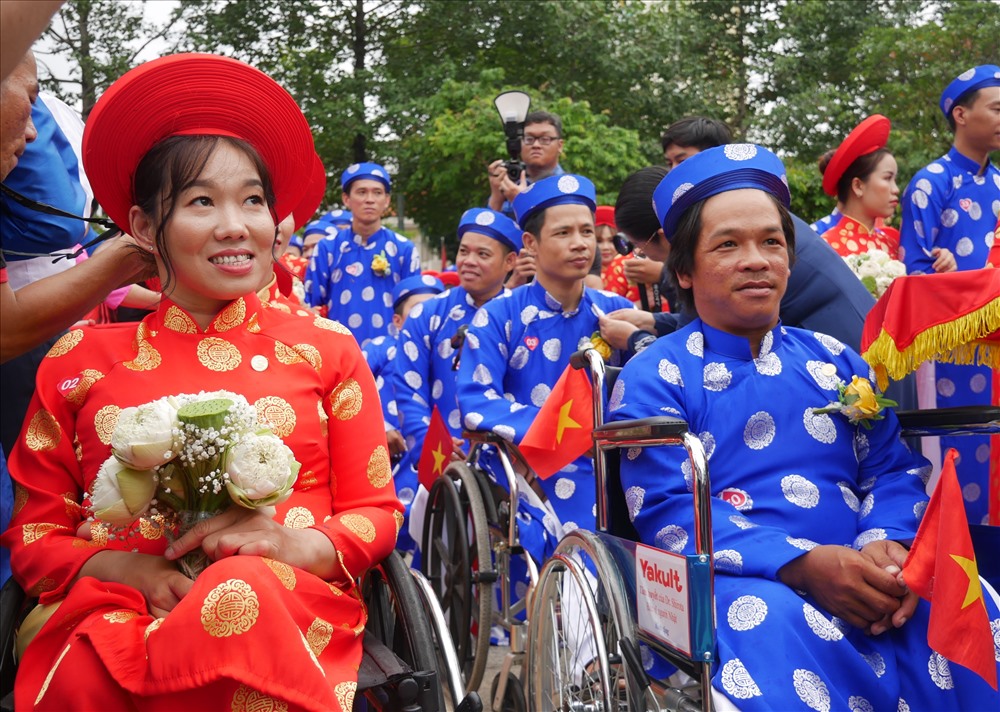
<point x="723" y="307"/>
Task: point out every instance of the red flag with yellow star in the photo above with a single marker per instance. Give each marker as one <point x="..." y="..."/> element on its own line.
<point x="436" y="453"/>
<point x="562" y="429"/>
<point x="941" y="568"/>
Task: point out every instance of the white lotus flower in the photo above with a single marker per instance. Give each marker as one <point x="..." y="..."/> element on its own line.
<point x="144" y="436"/>
<point x="121" y="494"/>
<point x="262" y="470"/>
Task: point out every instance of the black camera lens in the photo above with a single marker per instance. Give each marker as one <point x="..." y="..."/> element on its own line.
<point x="622" y="244"/>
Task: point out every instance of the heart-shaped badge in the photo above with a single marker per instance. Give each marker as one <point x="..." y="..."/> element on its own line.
<point x="354" y="269"/>
<point x="531" y="342"/>
<point x="965" y="204"/>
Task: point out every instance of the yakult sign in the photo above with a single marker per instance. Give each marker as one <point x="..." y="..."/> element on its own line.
<point x="661" y="579"/>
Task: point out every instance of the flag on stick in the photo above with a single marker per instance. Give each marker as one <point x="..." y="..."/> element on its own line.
<point x="436" y="452"/>
<point x="941" y="568"/>
<point x="562" y="429"/>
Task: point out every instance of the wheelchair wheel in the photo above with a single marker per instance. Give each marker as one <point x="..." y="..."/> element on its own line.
<point x="457" y="561"/>
<point x="513" y="696"/>
<point x="579" y="619"/>
<point x="396" y="616"/>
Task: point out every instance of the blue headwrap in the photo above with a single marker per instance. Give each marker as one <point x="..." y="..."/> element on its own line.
<point x="417" y="284"/>
<point x="718" y="170"/>
<point x="492" y="224"/>
<point x="985" y="75"/>
<point x="554" y="190"/>
<point x="371" y="171"/>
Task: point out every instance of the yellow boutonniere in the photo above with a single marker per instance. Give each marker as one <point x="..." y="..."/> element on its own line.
<point x="600" y="345"/>
<point x="380" y="265"/>
<point x="858" y="402"/>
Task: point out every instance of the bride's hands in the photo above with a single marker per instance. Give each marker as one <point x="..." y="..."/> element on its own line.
<point x="157" y="579"/>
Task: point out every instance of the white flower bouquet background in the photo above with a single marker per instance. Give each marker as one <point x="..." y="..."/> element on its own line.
<point x="189" y="457"/>
<point x="875" y="269"/>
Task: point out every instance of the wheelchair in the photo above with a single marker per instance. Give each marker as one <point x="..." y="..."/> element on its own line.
<point x="399" y="665"/>
<point x="579" y="647"/>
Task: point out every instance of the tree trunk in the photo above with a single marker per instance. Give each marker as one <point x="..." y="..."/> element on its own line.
<point x="360" y="140"/>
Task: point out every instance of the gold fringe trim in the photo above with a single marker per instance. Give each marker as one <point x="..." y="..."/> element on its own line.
<point x="959" y="341"/>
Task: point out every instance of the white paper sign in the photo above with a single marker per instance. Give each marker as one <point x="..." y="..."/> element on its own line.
<point x="662" y="596"/>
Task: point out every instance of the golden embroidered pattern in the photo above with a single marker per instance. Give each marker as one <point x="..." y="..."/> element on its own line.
<point x="318" y="636"/>
<point x="120" y="616"/>
<point x="359" y="525"/>
<point x="44" y="585"/>
<point x="310" y="354"/>
<point x="331" y="325"/>
<point x="286" y="354"/>
<point x="152" y="628"/>
<point x="345" y="695"/>
<point x="20" y="498"/>
<point x="247" y="699"/>
<point x="345" y="400"/>
<point x="231" y="608"/>
<point x="218" y="354"/>
<point x="312" y="655"/>
<point x="105" y="422"/>
<point x="147" y="358"/>
<point x="398" y="516"/>
<point x="151" y="528"/>
<point x="276" y="413"/>
<point x="280" y="307"/>
<point x="99" y="534"/>
<point x="176" y="320"/>
<point x="232" y="316"/>
<point x="379" y="468"/>
<point x="43" y="432"/>
<point x="33" y="531"/>
<point x="299" y="518"/>
<point x="284" y="572"/>
<point x="66" y="343"/>
<point x="87" y="379"/>
<point x="324" y="419"/>
<point x="72" y="506"/>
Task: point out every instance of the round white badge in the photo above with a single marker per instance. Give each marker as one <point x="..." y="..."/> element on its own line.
<point x="259" y="363"/>
<point x="485" y="218"/>
<point x="568" y="184"/>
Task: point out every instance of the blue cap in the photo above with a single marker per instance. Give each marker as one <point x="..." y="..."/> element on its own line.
<point x="718" y="170"/>
<point x="484" y="221"/>
<point x="339" y="217"/>
<point x="985" y="75"/>
<point x="554" y="190"/>
<point x="417" y="284"/>
<point x="296" y="241"/>
<point x="371" y="171"/>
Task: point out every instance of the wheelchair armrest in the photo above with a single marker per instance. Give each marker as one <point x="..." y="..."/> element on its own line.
<point x="964" y="420"/>
<point x="483" y="437"/>
<point x="658" y="427"/>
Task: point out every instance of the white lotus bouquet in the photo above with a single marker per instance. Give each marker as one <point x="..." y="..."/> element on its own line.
<point x="194" y="455"/>
<point x="875" y="269"/>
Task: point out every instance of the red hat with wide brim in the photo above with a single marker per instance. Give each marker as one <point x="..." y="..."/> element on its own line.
<point x="605" y="215"/>
<point x="867" y="137"/>
<point x="315" y="190"/>
<point x="194" y="94"/>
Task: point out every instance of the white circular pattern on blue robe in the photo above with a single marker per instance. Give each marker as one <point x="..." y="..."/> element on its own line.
<point x="861" y="446"/>
<point x="670" y="410"/>
<point x="568" y="527"/>
<point x="923" y="472"/>
<point x="456" y="314"/>
<point x="405" y="495"/>
<point x="485" y="218"/>
<point x="482" y="375"/>
<point x="956" y="182"/>
<point x="633" y="453"/>
<point x="515" y="406"/>
<point x="869" y="535"/>
<point x="387" y="299"/>
<point x="568" y="184"/>
<point x="345" y="297"/>
<point x="746" y="613"/>
<point x="768" y="364"/>
<point x="811" y="690"/>
<point x="528" y="315"/>
<point x="740" y="151"/>
<point x="850" y="499"/>
<point x="820" y="625"/>
<point x="730" y="561"/>
<point x="552" y="349"/>
<point x="801" y="543"/>
<point x="716" y="377"/>
<point x="491" y="394"/>
<point x="390" y="249"/>
<point x="410" y="349"/>
<point x="820" y="426"/>
<point x="413" y="379"/>
<point x="505" y="431"/>
<point x="417" y="398"/>
<point x="964" y="247"/>
<point x="983" y="453"/>
<point x="949" y="217"/>
<point x="857" y="703"/>
<point x="696" y="344"/>
<point x="919" y="508"/>
<point x="740" y="521"/>
<point x="924" y="186"/>
<point x="996" y="180"/>
<point x="736" y="681"/>
<point x="940" y="671"/>
<point x="520" y="358"/>
<point x="647" y="657"/>
<point x="354" y="168"/>
<point x="832" y="345"/>
<point x="392" y="408"/>
<point x="390" y="353"/>
<point x="876" y="662"/>
<point x="455" y="419"/>
<point x="368" y="294"/>
<point x="507" y="326"/>
<point x="919" y="199"/>
<point x="918" y="227"/>
<point x="378" y="321"/>
<point x="434" y="323"/>
<point x="481" y="318"/>
<point x="800" y="491"/>
<point x="565" y="487"/>
<point x="945" y="387"/>
<point x="866" y="504"/>
<point x="472" y="420"/>
<point x="759" y="430"/>
<point x="971" y="492"/>
<point x="671" y="538"/>
<point x="617" y="396"/>
<point x="975" y="210"/>
<point x="669" y="372"/>
<point x="967" y="75"/>
<point x="354" y="321"/>
<point x="995" y="627"/>
<point x="681" y="190"/>
<point x="935" y="168"/>
<point x="445" y="349"/>
<point x="634" y="497"/>
<point x="539" y="394"/>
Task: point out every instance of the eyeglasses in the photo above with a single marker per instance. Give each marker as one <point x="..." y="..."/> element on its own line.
<point x="540" y="140"/>
<point x="630" y="246"/>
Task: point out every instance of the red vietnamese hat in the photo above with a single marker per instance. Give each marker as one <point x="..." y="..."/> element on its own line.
<point x="867" y="137"/>
<point x="315" y="190"/>
<point x="194" y="94"/>
<point x="605" y="215"/>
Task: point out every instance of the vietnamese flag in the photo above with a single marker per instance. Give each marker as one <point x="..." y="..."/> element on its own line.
<point x="562" y="429"/>
<point x="436" y="453"/>
<point x="941" y="568"/>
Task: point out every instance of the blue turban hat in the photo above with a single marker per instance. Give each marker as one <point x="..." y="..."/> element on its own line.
<point x="985" y="75"/>
<point x="492" y="224"/>
<point x="554" y="190"/>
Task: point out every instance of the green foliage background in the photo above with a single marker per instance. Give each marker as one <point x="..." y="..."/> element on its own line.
<point x="410" y="83"/>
